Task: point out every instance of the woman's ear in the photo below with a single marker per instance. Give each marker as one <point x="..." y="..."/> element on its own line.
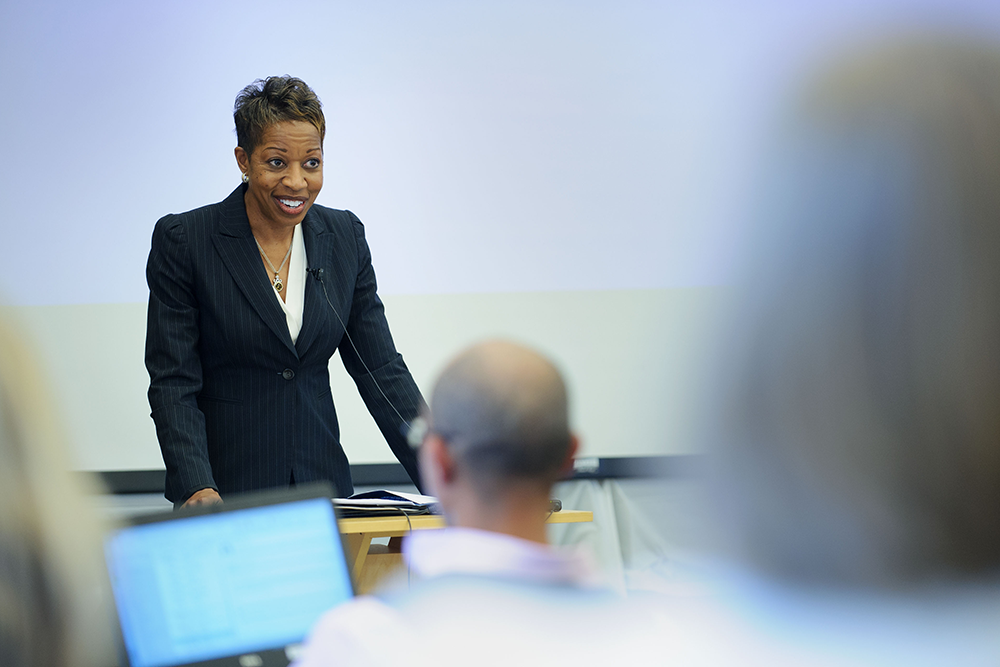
<point x="242" y="159"/>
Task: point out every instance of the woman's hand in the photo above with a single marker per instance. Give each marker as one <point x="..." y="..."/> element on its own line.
<point x="203" y="497"/>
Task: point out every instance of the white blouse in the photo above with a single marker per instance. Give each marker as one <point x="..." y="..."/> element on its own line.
<point x="295" y="286"/>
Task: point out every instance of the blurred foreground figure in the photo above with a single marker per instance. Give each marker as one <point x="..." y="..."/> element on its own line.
<point x="53" y="609"/>
<point x="857" y="423"/>
<point x="487" y="590"/>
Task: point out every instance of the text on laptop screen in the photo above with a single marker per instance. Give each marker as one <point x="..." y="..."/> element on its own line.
<point x="203" y="587"/>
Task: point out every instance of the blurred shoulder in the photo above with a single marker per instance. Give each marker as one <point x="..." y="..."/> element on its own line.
<point x="355" y="633"/>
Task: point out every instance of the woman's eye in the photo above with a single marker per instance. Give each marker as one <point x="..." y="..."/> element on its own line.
<point x="313" y="163"/>
<point x="275" y="162"/>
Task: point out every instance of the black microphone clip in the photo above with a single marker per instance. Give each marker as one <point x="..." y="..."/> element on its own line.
<point x="316" y="273"/>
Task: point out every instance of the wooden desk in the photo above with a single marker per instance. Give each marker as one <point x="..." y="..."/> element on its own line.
<point x="369" y="564"/>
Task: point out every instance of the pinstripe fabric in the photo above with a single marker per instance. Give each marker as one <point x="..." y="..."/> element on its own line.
<point x="227" y="414"/>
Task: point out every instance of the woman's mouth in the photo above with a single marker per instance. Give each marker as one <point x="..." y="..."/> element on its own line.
<point x="290" y="206"/>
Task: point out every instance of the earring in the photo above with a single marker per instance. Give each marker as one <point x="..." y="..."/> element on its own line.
<point x="246" y="177"/>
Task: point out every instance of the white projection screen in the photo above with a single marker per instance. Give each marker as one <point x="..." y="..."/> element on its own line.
<point x="570" y="174"/>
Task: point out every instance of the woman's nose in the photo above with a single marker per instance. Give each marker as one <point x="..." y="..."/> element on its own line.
<point x="295" y="178"/>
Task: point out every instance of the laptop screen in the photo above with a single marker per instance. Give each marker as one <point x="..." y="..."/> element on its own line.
<point x="197" y="588"/>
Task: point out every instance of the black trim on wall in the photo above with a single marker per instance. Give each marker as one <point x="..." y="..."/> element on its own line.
<point x="134" y="481"/>
<point x="378" y="474"/>
<point x="384" y="474"/>
<point x="676" y="466"/>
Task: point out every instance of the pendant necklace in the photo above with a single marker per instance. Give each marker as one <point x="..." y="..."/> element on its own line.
<point x="277" y="271"/>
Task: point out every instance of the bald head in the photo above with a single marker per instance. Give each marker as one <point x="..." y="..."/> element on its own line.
<point x="502" y="409"/>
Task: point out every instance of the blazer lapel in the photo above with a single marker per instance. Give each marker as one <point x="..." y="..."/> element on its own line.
<point x="235" y="244"/>
<point x="315" y="315"/>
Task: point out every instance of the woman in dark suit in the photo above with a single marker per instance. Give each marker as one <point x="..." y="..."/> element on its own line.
<point x="248" y="300"/>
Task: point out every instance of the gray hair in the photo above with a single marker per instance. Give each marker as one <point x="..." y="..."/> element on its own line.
<point x="859" y="432"/>
<point x="503" y="410"/>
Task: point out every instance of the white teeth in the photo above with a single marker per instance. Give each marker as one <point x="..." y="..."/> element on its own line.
<point x="291" y="203"/>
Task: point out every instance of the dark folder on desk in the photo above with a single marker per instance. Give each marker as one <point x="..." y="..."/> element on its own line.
<point x="385" y="503"/>
<point x="238" y="584"/>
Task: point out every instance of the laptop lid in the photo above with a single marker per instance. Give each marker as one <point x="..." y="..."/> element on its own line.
<point x="239" y="584"/>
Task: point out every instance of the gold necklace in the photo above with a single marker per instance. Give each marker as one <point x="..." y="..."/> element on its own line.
<point x="277" y="271"/>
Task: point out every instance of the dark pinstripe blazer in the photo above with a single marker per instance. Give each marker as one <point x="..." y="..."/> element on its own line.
<point x="237" y="406"/>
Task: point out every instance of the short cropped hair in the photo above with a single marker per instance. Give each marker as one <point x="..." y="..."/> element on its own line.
<point x="860" y="410"/>
<point x="503" y="411"/>
<point x="275" y="99"/>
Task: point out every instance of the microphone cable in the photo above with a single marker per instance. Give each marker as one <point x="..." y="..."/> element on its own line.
<point x="318" y="275"/>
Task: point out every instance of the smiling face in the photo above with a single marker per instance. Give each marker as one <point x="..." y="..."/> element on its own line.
<point x="285" y="174"/>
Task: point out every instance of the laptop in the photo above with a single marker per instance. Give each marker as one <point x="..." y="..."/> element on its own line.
<point x="234" y="585"/>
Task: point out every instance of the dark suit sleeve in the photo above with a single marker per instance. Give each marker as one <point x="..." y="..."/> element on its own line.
<point x="382" y="366"/>
<point x="175" y="374"/>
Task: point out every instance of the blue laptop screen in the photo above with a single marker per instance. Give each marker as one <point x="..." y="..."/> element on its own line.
<point x="205" y="587"/>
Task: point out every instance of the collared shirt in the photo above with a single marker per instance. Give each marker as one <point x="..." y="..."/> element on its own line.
<point x="294" y="302"/>
<point x="468" y="551"/>
<point x="482" y="598"/>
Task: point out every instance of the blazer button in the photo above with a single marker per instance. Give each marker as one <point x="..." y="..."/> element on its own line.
<point x="288" y="373"/>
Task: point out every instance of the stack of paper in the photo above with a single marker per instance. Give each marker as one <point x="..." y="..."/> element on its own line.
<point x="385" y="503"/>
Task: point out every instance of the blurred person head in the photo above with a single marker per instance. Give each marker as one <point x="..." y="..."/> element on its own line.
<point x="52" y="600"/>
<point x="498" y="439"/>
<point x="857" y="435"/>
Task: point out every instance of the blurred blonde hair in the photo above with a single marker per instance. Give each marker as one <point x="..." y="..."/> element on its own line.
<point x="53" y="602"/>
<point x="857" y="436"/>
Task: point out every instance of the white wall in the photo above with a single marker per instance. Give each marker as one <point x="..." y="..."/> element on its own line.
<point x="572" y="173"/>
<point x="632" y="359"/>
